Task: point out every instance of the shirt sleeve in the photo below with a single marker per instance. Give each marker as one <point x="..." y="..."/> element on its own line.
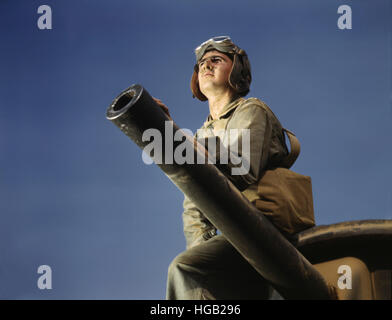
<point x="245" y="140"/>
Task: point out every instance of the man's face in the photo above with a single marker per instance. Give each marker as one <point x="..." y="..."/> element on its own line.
<point x="214" y="71"/>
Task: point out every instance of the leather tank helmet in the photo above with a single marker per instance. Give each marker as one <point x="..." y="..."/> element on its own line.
<point x="240" y="75"/>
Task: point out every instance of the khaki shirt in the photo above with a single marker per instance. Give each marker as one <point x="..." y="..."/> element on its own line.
<point x="267" y="149"/>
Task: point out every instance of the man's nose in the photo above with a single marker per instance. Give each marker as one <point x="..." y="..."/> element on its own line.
<point x="208" y="64"/>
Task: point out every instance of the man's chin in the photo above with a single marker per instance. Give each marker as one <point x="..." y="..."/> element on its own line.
<point x="212" y="87"/>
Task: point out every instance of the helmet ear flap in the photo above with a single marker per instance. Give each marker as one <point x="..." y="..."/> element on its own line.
<point x="195" y="87"/>
<point x="240" y="75"/>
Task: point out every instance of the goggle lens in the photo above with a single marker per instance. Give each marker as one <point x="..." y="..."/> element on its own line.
<point x="217" y="39"/>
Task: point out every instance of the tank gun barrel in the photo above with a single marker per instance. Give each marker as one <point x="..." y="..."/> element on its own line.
<point x="242" y="224"/>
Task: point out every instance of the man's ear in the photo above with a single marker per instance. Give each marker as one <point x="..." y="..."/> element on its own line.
<point x="240" y="78"/>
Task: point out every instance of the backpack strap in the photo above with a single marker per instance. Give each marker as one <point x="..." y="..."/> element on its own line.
<point x="295" y="146"/>
<point x="295" y="149"/>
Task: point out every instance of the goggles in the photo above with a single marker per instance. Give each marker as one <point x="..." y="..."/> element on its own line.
<point x="221" y="43"/>
<point x="213" y="40"/>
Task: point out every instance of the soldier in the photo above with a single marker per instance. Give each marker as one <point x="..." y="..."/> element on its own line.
<point x="211" y="268"/>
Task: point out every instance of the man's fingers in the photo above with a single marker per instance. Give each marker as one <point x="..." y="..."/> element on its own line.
<point x="162" y="105"/>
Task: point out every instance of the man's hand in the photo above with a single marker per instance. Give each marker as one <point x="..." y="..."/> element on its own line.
<point x="163" y="106"/>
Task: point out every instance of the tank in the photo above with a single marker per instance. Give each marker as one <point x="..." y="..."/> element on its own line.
<point x="310" y="266"/>
<point x="355" y="256"/>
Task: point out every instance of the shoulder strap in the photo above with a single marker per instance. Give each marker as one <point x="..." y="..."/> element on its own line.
<point x="295" y="149"/>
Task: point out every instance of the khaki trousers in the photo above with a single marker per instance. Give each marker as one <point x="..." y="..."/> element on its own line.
<point x="214" y="270"/>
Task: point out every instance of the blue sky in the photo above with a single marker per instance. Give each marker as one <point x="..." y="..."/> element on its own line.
<point x="74" y="191"/>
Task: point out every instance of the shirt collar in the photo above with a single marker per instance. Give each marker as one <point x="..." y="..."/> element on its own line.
<point x="226" y="109"/>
